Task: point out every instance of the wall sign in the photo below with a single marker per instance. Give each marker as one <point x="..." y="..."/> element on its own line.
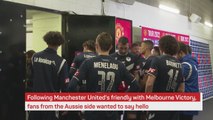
<point x="123" y="27"/>
<point x="155" y="35"/>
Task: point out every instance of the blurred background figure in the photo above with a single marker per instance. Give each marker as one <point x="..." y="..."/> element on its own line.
<point x="28" y="80"/>
<point x="190" y="73"/>
<point x="155" y="51"/>
<point x="135" y="49"/>
<point x="50" y="72"/>
<point x="88" y="52"/>
<point x="189" y="49"/>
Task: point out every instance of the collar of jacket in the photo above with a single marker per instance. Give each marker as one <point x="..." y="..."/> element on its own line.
<point x="50" y="50"/>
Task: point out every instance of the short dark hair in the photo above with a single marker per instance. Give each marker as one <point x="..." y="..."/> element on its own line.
<point x="168" y="45"/>
<point x="135" y="44"/>
<point x="149" y="44"/>
<point x="30" y="53"/>
<point x="189" y="49"/>
<point x="104" y="40"/>
<point x="90" y="44"/>
<point x="157" y="49"/>
<point x="123" y="40"/>
<point x="182" y="47"/>
<point x="53" y="38"/>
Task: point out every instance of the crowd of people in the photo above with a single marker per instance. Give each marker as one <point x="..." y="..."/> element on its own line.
<point x="140" y="67"/>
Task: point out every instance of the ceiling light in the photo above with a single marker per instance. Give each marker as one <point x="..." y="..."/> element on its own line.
<point x="208" y="24"/>
<point x="169" y="9"/>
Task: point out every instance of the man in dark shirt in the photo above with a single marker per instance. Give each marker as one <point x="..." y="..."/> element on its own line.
<point x="106" y="76"/>
<point x="146" y="48"/>
<point x="88" y="52"/>
<point x="50" y="73"/>
<point x="165" y="75"/>
<point x="155" y="51"/>
<point x="135" y="49"/>
<point x="130" y="60"/>
<point x="190" y="73"/>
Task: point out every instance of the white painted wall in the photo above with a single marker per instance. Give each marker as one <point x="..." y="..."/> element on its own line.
<point x="200" y="30"/>
<point x="42" y="23"/>
<point x="140" y="14"/>
<point x="144" y="15"/>
<point x="90" y="7"/>
<point x="29" y="43"/>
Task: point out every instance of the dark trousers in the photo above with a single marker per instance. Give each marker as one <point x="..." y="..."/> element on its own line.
<point x="186" y="117"/>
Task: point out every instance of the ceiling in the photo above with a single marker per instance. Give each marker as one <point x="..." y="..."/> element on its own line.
<point x="203" y="8"/>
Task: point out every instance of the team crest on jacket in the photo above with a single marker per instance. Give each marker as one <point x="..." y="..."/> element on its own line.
<point x="67" y="80"/>
<point x="73" y="64"/>
<point x="128" y="59"/>
<point x="76" y="73"/>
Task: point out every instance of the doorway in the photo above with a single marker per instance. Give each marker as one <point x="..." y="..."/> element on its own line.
<point x="38" y="23"/>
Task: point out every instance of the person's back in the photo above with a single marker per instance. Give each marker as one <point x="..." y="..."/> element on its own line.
<point x="191" y="84"/>
<point x="47" y="66"/>
<point x="168" y="79"/>
<point x="50" y="73"/>
<point x="88" y="52"/>
<point x="84" y="56"/>
<point x="190" y="68"/>
<point x="169" y="74"/>
<point x="106" y="76"/>
<point x="190" y="73"/>
<point x="102" y="74"/>
<point x="78" y="60"/>
<point x="165" y="75"/>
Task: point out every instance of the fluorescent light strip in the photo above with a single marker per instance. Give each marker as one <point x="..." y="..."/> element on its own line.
<point x="208" y="24"/>
<point x="169" y="9"/>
